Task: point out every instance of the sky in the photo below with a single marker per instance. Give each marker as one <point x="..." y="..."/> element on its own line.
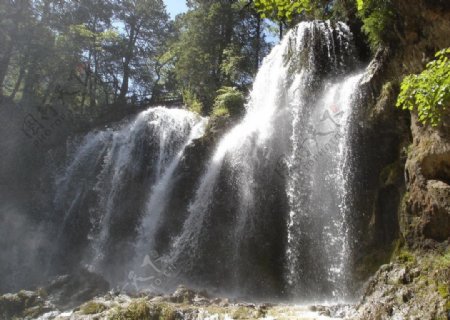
<point x="175" y="7"/>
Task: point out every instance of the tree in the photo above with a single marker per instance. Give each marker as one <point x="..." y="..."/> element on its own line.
<point x="219" y="43"/>
<point x="146" y="25"/>
<point x="15" y="20"/>
<point x="282" y="10"/>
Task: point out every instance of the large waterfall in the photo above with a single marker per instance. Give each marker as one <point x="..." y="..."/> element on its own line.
<point x="267" y="212"/>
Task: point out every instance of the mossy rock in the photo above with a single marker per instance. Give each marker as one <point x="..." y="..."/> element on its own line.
<point x="242" y="313"/>
<point x="163" y="312"/>
<point x="92" y="307"/>
<point x="136" y="310"/>
<point x="143" y="310"/>
<point x="24" y="303"/>
<point x="391" y="174"/>
<point x="405" y="257"/>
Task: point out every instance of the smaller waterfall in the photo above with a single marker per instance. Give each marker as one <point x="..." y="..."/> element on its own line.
<point x="160" y="193"/>
<point x="318" y="249"/>
<point x="103" y="192"/>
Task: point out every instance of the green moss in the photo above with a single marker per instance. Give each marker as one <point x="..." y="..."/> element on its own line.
<point x="164" y="312"/>
<point x="404" y="256"/>
<point x="92" y="307"/>
<point x="242" y="313"/>
<point x="34" y="312"/>
<point x="391" y="173"/>
<point x="370" y="263"/>
<point x="220" y="112"/>
<point x="26" y="299"/>
<point x="142" y="310"/>
<point x="443" y="290"/>
<point x="136" y="310"/>
<point x="397" y="246"/>
<point x="444" y="261"/>
<point x="409" y="149"/>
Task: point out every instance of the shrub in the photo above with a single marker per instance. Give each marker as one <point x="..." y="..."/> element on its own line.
<point x="428" y="93"/>
<point x="229" y="102"/>
<point x="377" y="16"/>
<point x="191" y="101"/>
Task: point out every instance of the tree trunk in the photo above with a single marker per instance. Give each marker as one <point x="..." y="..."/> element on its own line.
<point x="4" y="64"/>
<point x="18" y="82"/>
<point x="9" y="46"/>
<point x="126" y="64"/>
<point x="258" y="41"/>
<point x="87" y="71"/>
<point x="281" y="29"/>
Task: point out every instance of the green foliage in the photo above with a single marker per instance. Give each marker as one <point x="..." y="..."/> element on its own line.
<point x="428" y="93"/>
<point x="74" y="53"/>
<point x="229" y="102"/>
<point x="360" y="4"/>
<point x="282" y="10"/>
<point x="217" y="43"/>
<point x="191" y="101"/>
<point x="377" y="17"/>
<point x="232" y="60"/>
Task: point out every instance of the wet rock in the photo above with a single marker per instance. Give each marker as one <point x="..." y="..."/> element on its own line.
<point x="24" y="305"/>
<point x="120" y="306"/>
<point x="183" y="295"/>
<point x="69" y="291"/>
<point x="396" y="276"/>
<point x="159" y="299"/>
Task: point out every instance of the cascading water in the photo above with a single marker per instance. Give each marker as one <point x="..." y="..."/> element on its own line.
<point x="297" y="115"/>
<point x="265" y="215"/>
<point x="318" y="248"/>
<point x="103" y="191"/>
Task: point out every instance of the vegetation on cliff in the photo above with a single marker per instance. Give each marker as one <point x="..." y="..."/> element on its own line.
<point x="428" y="93"/>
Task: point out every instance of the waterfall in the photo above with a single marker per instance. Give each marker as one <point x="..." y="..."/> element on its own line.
<point x="160" y="192"/>
<point x="263" y="212"/>
<point x="103" y="190"/>
<point x="317" y="248"/>
<point x="295" y="127"/>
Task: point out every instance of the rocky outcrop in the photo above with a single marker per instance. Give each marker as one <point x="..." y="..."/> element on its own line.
<point x="412" y="200"/>
<point x="426" y="212"/>
<point x="410" y="161"/>
<point x="68" y="291"/>
<point x="24" y="305"/>
<point x="402" y="181"/>
<point x="420" y="30"/>
<point x="62" y="293"/>
<point x="414" y="286"/>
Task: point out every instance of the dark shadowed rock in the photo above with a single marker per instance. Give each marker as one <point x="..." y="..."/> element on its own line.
<point x="68" y="291"/>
